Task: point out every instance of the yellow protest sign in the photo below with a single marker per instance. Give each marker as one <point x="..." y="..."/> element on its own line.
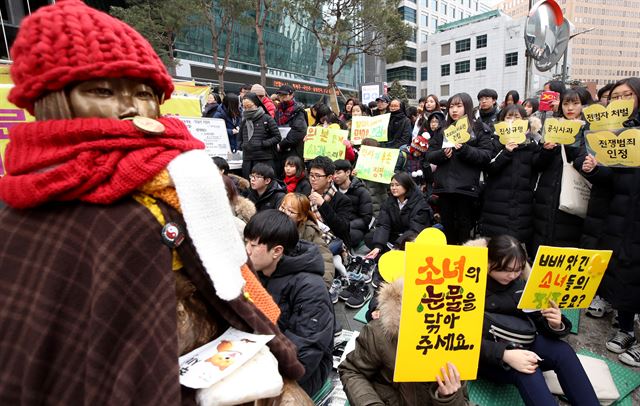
<point x="610" y="117"/>
<point x="326" y="142"/>
<point x="615" y="148"/>
<point x="568" y="276"/>
<point x="458" y="132"/>
<point x="10" y="115"/>
<point x="442" y="311"/>
<point x="181" y="106"/>
<point x="512" y="131"/>
<point x="369" y="127"/>
<point x="561" y="131"/>
<point x="376" y="164"/>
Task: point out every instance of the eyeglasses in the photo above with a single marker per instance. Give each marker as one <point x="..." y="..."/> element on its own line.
<point x="288" y="211"/>
<point x="316" y="176"/>
<point x="623" y="96"/>
<point x="255" y="177"/>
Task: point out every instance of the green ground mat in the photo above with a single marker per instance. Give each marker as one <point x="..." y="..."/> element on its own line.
<point x="626" y="379"/>
<point x="486" y="393"/>
<point x="360" y="316"/>
<point x="574" y="317"/>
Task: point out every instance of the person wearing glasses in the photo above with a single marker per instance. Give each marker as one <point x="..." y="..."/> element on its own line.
<point x="613" y="223"/>
<point x="266" y="191"/>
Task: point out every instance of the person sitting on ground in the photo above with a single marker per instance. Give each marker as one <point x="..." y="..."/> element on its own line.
<point x="399" y="129"/>
<point x="405" y="210"/>
<point x="367" y="372"/>
<point x="295" y="176"/>
<point x="241" y="207"/>
<point x="266" y="191"/>
<point x="291" y="270"/>
<point x="298" y="207"/>
<point x="361" y="206"/>
<point x="523" y="364"/>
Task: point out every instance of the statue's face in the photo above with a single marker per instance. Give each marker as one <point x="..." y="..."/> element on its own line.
<point x="113" y="98"/>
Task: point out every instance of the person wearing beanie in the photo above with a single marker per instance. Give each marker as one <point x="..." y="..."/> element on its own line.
<point x="119" y="250"/>
<point x="266" y="100"/>
<point x="258" y="135"/>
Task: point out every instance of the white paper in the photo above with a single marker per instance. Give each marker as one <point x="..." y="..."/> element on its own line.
<point x="216" y="360"/>
<point x="211" y="131"/>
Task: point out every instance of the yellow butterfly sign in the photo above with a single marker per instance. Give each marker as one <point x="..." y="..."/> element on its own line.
<point x="561" y="131"/>
<point x="619" y="148"/>
<point x="442" y="308"/>
<point x="458" y="132"/>
<point x="610" y="117"/>
<point x="512" y="131"/>
<point x="567" y="276"/>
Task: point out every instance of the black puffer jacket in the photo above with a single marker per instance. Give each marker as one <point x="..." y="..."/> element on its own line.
<point x="307" y="315"/>
<point x="271" y="198"/>
<point x="489" y="117"/>
<point x="503" y="299"/>
<point x="399" y="130"/>
<point x="293" y="143"/>
<point x="613" y="223"/>
<point x="265" y="138"/>
<point x="337" y="215"/>
<point x="414" y="216"/>
<point x="552" y="226"/>
<point x="508" y="197"/>
<point x="461" y="173"/>
<point x="361" y="205"/>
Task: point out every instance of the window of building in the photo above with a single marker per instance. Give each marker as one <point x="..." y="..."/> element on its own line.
<point x="463" y="45"/>
<point x="409" y="54"/>
<point x="463" y="67"/>
<point x="434" y="5"/>
<point x="425" y="38"/>
<point x="444" y="90"/>
<point x="401" y="73"/>
<point x="408" y="14"/>
<point x="453" y="12"/>
<point x="445" y="70"/>
<point x="424" y="20"/>
<point x="444" y="8"/>
<point x="511" y="59"/>
<point x="411" y="92"/>
<point x="424" y="56"/>
<point x="424" y="3"/>
<point x="476" y="5"/>
<point x="412" y="37"/>
<point x="424" y="73"/>
<point x="434" y="22"/>
<point x="481" y="63"/>
<point x="481" y="41"/>
<point x="445" y="49"/>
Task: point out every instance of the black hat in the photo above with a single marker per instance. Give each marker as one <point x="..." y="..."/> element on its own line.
<point x="384" y="98"/>
<point x="285" y="89"/>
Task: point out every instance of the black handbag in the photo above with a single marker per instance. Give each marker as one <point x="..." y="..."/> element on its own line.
<point x="516" y="331"/>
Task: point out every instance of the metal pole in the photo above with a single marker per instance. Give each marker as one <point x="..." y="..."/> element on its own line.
<point x="4" y="35"/>
<point x="564" y="65"/>
<point x="528" y="67"/>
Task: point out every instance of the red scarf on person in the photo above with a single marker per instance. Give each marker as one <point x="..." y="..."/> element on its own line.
<point x="96" y="160"/>
<point x="285" y="111"/>
<point x="292" y="182"/>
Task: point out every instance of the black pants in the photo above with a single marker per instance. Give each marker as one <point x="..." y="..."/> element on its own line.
<point x="457" y="216"/>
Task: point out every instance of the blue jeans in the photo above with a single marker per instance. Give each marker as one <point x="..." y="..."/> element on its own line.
<point x="558" y="356"/>
<point x="335" y="246"/>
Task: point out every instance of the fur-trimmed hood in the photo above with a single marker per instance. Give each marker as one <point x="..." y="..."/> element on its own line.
<point x="244" y="209"/>
<point x="390" y="306"/>
<point x="482" y="242"/>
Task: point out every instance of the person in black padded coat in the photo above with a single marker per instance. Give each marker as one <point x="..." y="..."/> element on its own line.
<point x="259" y="135"/>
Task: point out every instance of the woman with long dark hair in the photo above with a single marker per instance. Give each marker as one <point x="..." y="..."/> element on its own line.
<point x="431" y="105"/>
<point x="229" y="111"/>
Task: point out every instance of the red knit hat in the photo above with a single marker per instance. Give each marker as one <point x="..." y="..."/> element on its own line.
<point x="70" y="42"/>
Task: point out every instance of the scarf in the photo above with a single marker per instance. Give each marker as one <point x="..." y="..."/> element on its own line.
<point x="285" y="111"/>
<point x="249" y="116"/>
<point x="292" y="182"/>
<point x="95" y="160"/>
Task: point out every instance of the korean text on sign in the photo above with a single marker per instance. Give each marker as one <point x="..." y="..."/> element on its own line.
<point x="567" y="276"/>
<point x="442" y="311"/>
<point x="561" y="131"/>
<point x="512" y="131"/>
<point x="611" y="117"/>
<point x="376" y="164"/>
<point x="327" y="142"/>
<point x="457" y="133"/>
<point x="10" y="116"/>
<point x="619" y="148"/>
<point x="369" y="127"/>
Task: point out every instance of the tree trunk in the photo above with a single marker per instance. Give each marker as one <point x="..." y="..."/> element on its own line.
<point x="333" y="98"/>
<point x="263" y="56"/>
<point x="221" y="82"/>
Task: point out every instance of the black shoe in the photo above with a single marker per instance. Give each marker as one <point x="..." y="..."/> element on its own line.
<point x="361" y="293"/>
<point x="367" y="269"/>
<point x="376" y="278"/>
<point x="346" y="291"/>
<point x="354" y="265"/>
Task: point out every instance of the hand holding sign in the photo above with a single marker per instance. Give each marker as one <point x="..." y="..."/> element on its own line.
<point x="512" y="131"/>
<point x="553" y="315"/>
<point x="561" y="131"/>
<point x="458" y="132"/>
<point x="615" y="148"/>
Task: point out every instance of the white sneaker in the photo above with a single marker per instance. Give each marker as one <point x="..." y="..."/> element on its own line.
<point x="598" y="307"/>
<point x="621" y="342"/>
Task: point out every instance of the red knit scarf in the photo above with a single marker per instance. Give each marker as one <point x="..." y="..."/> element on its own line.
<point x="285" y="111"/>
<point x="95" y="160"/>
<point x="292" y="182"/>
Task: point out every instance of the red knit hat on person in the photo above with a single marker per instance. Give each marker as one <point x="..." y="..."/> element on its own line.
<point x="70" y="42"/>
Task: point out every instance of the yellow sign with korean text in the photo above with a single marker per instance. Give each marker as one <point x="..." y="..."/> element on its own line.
<point x="442" y="311"/>
<point x="10" y="115"/>
<point x="619" y="148"/>
<point x="610" y="117"/>
<point x="512" y="131"/>
<point x="458" y="132"/>
<point x="561" y="131"/>
<point x="369" y="127"/>
<point x="567" y="276"/>
<point x="321" y="141"/>
<point x="376" y="164"/>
